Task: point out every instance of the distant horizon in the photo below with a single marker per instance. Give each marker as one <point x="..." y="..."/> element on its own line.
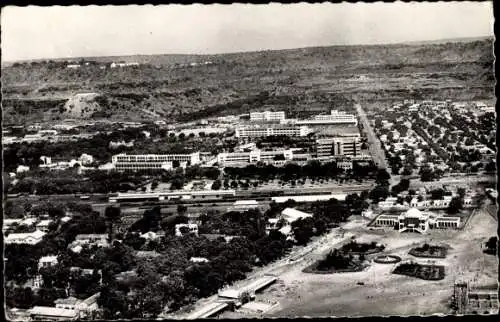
<point x="33" y="32"/>
<point x="413" y="42"/>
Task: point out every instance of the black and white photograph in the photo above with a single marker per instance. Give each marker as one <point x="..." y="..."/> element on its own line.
<point x="235" y="161"/>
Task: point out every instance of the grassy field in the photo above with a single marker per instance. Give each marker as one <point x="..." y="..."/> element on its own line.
<point x="294" y="80"/>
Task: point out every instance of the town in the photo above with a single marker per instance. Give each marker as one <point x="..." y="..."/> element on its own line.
<point x="302" y="204"/>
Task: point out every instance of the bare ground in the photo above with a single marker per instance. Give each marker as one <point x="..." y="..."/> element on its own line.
<point x="383" y="293"/>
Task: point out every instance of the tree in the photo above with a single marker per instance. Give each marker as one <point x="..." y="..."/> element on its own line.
<point x="154" y="184"/>
<point x="455" y="205"/>
<point x="216" y="185"/>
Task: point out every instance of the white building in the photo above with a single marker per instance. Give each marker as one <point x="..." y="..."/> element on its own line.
<point x="245" y="204"/>
<point x="99" y="240"/>
<point x="25" y="238"/>
<point x="153" y="161"/>
<point x="335" y="118"/>
<point x="192" y="228"/>
<point x="267" y="116"/>
<point x="22" y="168"/>
<point x="43" y="225"/>
<point x="338" y="146"/>
<point x="276" y="157"/>
<point x="290" y="215"/>
<point x="86" y="159"/>
<point x="256" y="132"/>
<point x="47" y="261"/>
<point x="48" y="313"/>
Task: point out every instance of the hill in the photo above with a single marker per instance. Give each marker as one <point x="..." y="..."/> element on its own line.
<point x="183" y="87"/>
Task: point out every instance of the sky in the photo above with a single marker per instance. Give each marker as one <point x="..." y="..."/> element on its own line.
<point x="58" y="32"/>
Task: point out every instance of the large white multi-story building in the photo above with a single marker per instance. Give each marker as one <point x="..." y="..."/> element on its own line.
<point x="255" y="132"/>
<point x="153" y="161"/>
<point x="267" y="116"/>
<point x="276" y="157"/>
<point x="338" y="146"/>
<point x="335" y="117"/>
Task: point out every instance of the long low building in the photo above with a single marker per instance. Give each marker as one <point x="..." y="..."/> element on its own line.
<point x="185" y="195"/>
<point x="154" y="161"/>
<point x="256" y="132"/>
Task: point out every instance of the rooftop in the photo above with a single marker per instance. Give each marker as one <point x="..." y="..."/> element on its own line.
<point x="53" y="311"/>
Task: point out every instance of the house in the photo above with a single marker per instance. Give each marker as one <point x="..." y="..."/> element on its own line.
<point x="44" y="225"/>
<point x="47" y="261"/>
<point x="47" y="313"/>
<point x="190" y="228"/>
<point x="86" y="159"/>
<point x="25" y="238"/>
<point x="99" y="240"/>
<point x="199" y="260"/>
<point x="291" y="215"/>
<point x="22" y="168"/>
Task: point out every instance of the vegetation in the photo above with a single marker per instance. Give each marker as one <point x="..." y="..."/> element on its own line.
<point x="425" y="272"/>
<point x="429" y="251"/>
<point x="491" y="246"/>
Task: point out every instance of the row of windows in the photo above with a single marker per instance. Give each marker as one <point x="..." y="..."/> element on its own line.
<point x="153" y="159"/>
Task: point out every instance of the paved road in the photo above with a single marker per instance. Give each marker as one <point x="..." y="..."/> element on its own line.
<point x="302" y="256"/>
<point x="376" y="150"/>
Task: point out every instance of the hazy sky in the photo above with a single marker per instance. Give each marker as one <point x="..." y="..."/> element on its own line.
<point x="45" y="32"/>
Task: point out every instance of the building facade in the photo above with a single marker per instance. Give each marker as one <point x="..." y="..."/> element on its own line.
<point x="277" y="157"/>
<point x="334" y="118"/>
<point x="153" y="161"/>
<point x="256" y="132"/>
<point x="414" y="220"/>
<point x="338" y="146"/>
<point x="267" y="116"/>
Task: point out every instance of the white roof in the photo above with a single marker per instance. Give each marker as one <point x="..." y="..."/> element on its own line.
<point x="273" y="220"/>
<point x="285" y="230"/>
<point x="65" y="218"/>
<point x="291" y="214"/>
<point x="245" y="202"/>
<point x="52" y="311"/>
<point x="36" y="234"/>
<point x="233" y="294"/>
<point x="414" y="212"/>
<point x="29" y="221"/>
